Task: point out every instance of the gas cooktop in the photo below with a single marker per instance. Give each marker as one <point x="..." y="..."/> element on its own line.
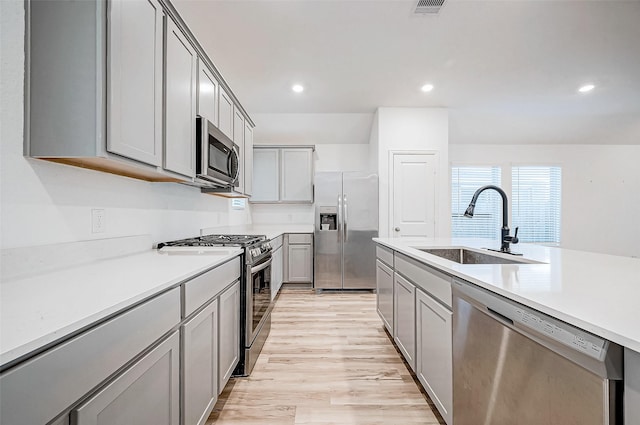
<point x="217" y="240"/>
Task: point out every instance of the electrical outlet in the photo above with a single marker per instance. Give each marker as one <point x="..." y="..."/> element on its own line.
<point x="98" y="221"/>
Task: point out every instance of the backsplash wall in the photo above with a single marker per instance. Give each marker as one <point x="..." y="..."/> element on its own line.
<point x="46" y="203"/>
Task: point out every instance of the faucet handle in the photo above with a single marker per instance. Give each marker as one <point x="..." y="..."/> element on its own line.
<point x="514" y="239"/>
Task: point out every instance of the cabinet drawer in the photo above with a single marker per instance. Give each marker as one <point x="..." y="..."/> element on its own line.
<point x="201" y="289"/>
<point x="276" y="242"/>
<point x="300" y="238"/>
<point x="385" y="255"/>
<point x="427" y="278"/>
<point x="79" y="365"/>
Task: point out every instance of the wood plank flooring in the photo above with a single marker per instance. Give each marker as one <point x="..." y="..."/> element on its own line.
<point x="327" y="361"/>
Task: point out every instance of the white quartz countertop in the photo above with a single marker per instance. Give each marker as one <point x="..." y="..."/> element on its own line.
<point x="596" y="292"/>
<point x="272" y="231"/>
<point x="40" y="309"/>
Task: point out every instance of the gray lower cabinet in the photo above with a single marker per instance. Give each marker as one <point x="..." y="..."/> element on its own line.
<point x="81" y="364"/>
<point x="229" y="349"/>
<point x="384" y="291"/>
<point x="147" y="392"/>
<point x="434" y="352"/>
<point x="299" y="261"/>
<point x="276" y="271"/>
<point x="200" y="365"/>
<point x="404" y="318"/>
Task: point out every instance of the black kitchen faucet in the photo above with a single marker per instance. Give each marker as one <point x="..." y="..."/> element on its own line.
<point x="505" y="239"/>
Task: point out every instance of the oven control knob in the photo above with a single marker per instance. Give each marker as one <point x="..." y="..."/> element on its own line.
<point x="255" y="252"/>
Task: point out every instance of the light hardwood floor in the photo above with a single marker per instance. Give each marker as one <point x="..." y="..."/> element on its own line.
<point x="327" y="361"/>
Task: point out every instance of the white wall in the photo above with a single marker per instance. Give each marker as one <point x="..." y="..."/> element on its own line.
<point x="312" y="129"/>
<point x="374" y="144"/>
<point x="46" y="203"/>
<point x="414" y="129"/>
<point x="600" y="189"/>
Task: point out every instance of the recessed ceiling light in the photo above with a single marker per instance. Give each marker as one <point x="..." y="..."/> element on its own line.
<point x="586" y="88"/>
<point x="297" y="88"/>
<point x="427" y="88"/>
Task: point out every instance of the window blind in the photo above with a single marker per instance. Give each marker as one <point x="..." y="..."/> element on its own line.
<point x="487" y="219"/>
<point x="536" y="203"/>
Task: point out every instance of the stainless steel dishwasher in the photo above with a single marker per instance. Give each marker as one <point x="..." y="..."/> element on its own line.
<point x="515" y="365"/>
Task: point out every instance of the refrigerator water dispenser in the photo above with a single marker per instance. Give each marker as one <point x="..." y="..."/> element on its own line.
<point x="328" y="218"/>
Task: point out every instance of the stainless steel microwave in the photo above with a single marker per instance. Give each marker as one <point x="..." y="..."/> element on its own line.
<point x="216" y="155"/>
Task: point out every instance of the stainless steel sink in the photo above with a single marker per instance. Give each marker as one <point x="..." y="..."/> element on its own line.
<point x="466" y="256"/>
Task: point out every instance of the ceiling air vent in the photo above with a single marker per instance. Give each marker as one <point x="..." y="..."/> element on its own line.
<point x="429" y="6"/>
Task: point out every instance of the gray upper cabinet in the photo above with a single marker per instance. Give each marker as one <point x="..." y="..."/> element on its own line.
<point x="297" y="175"/>
<point x="111" y="87"/>
<point x="283" y="174"/>
<point x="180" y="102"/>
<point x="238" y="139"/>
<point x="135" y="74"/>
<point x="225" y="113"/>
<point x="207" y="93"/>
<point x="266" y="175"/>
<point x="248" y="159"/>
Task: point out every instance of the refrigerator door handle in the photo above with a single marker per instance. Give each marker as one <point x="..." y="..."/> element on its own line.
<point x="344" y="224"/>
<point x="339" y="217"/>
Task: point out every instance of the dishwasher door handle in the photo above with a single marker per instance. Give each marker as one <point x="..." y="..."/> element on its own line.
<point x="502" y="317"/>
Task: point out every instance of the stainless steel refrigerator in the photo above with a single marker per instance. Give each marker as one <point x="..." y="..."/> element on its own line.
<point x="346" y="219"/>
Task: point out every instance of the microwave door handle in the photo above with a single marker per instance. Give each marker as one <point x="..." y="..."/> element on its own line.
<point x="261" y="267"/>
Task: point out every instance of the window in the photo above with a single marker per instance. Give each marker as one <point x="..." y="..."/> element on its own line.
<point x="535" y="205"/>
<point x="238" y="203"/>
<point x="487" y="220"/>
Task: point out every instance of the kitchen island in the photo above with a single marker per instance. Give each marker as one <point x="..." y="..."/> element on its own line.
<point x="594" y="292"/>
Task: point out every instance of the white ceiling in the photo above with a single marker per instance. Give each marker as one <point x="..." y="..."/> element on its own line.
<point x="508" y="70"/>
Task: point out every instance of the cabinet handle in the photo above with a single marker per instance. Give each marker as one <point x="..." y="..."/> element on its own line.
<point x="397" y="229"/>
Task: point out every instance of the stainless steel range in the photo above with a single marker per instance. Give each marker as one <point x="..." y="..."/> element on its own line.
<point x="255" y="298"/>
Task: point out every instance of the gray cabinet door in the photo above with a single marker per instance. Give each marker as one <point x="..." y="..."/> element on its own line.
<point x="145" y="393"/>
<point x="384" y="294"/>
<point x="225" y="113"/>
<point x="238" y="139"/>
<point x="229" y="331"/>
<point x="404" y="318"/>
<point x="266" y="175"/>
<point x="248" y="159"/>
<point x="135" y="80"/>
<point x="207" y="93"/>
<point x="300" y="263"/>
<point x="434" y="352"/>
<point x="180" y="102"/>
<point x="200" y="365"/>
<point x="277" y="272"/>
<point x="297" y="175"/>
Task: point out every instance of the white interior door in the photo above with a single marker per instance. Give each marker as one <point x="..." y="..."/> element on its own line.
<point x="413" y="198"/>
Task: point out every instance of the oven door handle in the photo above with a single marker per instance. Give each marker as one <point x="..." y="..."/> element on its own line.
<point x="262" y="266"/>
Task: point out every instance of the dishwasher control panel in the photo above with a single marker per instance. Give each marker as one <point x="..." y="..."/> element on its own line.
<point x="561" y="332"/>
<point x="531" y="321"/>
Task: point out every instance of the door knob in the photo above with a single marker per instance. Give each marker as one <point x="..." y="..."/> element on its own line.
<point x="397" y="229"/>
